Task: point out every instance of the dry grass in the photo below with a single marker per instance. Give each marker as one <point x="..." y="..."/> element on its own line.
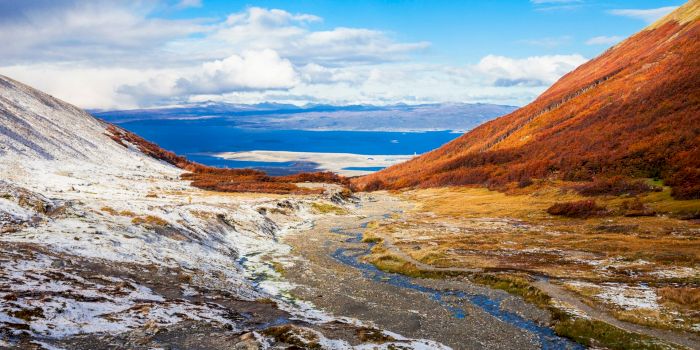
<point x="149" y="220"/>
<point x="114" y="212"/>
<point x="686" y="297"/>
<point x="494" y="231"/>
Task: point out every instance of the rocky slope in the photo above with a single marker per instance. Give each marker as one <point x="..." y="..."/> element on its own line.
<point x="102" y="246"/>
<point x="633" y="111"/>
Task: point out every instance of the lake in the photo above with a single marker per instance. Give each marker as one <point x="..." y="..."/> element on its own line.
<point x="202" y="140"/>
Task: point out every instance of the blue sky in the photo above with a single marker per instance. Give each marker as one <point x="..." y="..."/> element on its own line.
<point x="141" y="53"/>
<point x="465" y="31"/>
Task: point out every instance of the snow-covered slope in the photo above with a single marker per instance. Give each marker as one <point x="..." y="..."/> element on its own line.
<point x="102" y="246"/>
<point x="37" y="126"/>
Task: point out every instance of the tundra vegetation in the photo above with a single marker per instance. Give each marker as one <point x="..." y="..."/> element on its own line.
<point x="631" y="256"/>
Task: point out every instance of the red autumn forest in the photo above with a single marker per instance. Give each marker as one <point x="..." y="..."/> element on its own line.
<point x="634" y="111"/>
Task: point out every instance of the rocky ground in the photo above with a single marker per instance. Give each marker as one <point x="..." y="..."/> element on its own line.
<point x="421" y="308"/>
<point x="98" y="258"/>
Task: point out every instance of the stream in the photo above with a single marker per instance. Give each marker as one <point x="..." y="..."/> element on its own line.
<point x="449" y="299"/>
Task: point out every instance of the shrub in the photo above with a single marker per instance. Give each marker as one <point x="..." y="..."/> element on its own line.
<point x="686" y="183"/>
<point x="615" y="186"/>
<point x="635" y="207"/>
<point x="579" y="209"/>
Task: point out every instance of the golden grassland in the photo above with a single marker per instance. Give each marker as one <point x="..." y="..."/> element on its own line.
<point x="511" y="239"/>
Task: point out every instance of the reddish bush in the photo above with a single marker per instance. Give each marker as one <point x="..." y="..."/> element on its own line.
<point x="635" y="207"/>
<point x="321" y="176"/>
<point x="615" y="186"/>
<point x="148" y="148"/>
<point x="686" y="183"/>
<point x="579" y="209"/>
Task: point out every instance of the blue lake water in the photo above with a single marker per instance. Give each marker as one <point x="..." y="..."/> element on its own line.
<point x="197" y="139"/>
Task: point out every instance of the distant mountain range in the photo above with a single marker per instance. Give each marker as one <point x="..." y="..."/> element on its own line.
<point x="400" y="117"/>
<point x="633" y="111"/>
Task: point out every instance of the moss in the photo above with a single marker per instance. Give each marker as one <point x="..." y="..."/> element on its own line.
<point x="278" y="267"/>
<point x="600" y="334"/>
<point x="324" y="208"/>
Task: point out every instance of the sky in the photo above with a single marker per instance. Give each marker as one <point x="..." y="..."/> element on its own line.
<point x="126" y="54"/>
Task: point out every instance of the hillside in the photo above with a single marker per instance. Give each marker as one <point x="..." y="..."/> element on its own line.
<point x="632" y="111"/>
<point x="103" y="245"/>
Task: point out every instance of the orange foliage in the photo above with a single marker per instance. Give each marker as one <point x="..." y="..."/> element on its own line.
<point x="634" y="111"/>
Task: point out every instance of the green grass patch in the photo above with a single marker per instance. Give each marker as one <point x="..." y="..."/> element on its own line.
<point x="601" y="334"/>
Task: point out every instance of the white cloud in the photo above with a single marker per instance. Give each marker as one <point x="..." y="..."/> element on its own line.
<point x="189" y="3"/>
<point x="253" y="70"/>
<point x="604" y="40"/>
<point x="83" y="86"/>
<point x="101" y="31"/>
<point x="289" y="35"/>
<point x="250" y="71"/>
<point x="110" y="55"/>
<point x="647" y="15"/>
<point x="530" y="71"/>
<point x="313" y="73"/>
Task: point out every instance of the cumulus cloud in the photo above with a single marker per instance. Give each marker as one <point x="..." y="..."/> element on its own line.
<point x="545" y="70"/>
<point x="647" y="15"/>
<point x="604" y="40"/>
<point x="253" y="70"/>
<point x="289" y="35"/>
<point x="109" y="55"/>
<point x="63" y="30"/>
<point x="250" y="71"/>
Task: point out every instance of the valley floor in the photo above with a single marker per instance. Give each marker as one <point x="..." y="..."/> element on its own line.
<point x="142" y="260"/>
<point x="635" y="278"/>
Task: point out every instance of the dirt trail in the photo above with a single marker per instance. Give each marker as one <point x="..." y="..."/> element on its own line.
<point x="555" y="291"/>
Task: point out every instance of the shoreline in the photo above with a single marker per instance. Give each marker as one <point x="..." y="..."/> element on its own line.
<point x="346" y="164"/>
